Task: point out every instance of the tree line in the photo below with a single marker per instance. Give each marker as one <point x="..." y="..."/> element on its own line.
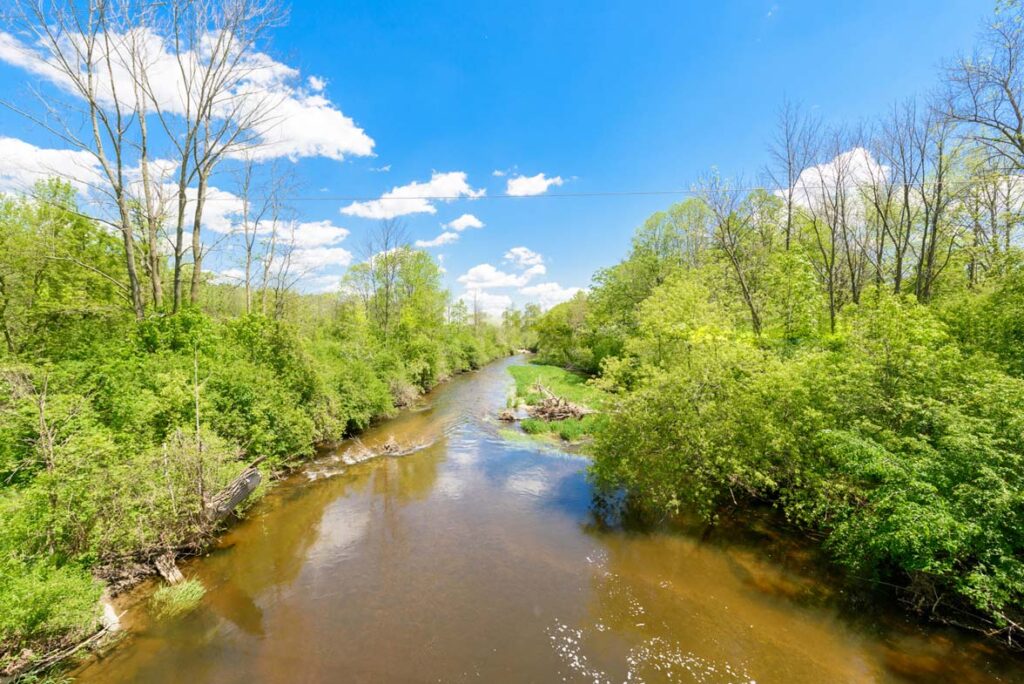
<point x="846" y="345"/>
<point x="135" y="384"/>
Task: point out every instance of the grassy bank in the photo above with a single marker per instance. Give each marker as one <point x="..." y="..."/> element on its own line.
<point x="566" y="384"/>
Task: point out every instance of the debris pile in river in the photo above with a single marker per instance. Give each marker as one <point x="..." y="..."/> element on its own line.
<point x="555" y="408"/>
<point x="507" y="416"/>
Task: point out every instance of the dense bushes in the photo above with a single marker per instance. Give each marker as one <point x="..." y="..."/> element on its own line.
<point x="897" y="436"/>
<point x="115" y="432"/>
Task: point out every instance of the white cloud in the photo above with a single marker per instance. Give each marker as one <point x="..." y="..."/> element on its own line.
<point x="222" y="210"/>
<point x="316" y="83"/>
<point x="549" y="294"/>
<point x="229" y="276"/>
<point x="523" y="257"/>
<point x="525" y="186"/>
<point x="489" y="303"/>
<point x="416" y="197"/>
<point x="314" y="258"/>
<point x="486" y="276"/>
<point x="22" y="164"/>
<point x="497" y="173"/>
<point x="330" y="282"/>
<point x="463" y="222"/>
<point x="310" y="126"/>
<point x="381" y="169"/>
<point x="851" y="169"/>
<point x="318" y="234"/>
<point x="302" y="122"/>
<point x="444" y="238"/>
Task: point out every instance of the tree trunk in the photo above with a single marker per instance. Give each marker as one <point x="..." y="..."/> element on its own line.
<point x="197" y="245"/>
<point x="129" y="256"/>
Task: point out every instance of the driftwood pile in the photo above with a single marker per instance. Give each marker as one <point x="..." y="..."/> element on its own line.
<point x="555" y="408"/>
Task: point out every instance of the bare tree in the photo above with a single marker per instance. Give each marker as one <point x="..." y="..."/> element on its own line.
<point x="103" y="53"/>
<point x="734" y="228"/>
<point x="218" y="113"/>
<point x="262" y="205"/>
<point x="85" y="45"/>
<point x="792" y="151"/>
<point x="985" y="91"/>
<point x="890" y="193"/>
<point x="938" y="152"/>
<point x="825" y="194"/>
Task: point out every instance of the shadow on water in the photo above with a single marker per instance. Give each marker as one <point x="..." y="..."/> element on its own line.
<point x="475" y="558"/>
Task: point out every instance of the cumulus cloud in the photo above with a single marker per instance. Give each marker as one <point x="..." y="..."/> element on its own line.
<point x="310" y="126"/>
<point x="229" y="276"/>
<point x="444" y="238"/>
<point x="416" y="197"/>
<point x="850" y="170"/>
<point x="302" y="122"/>
<point x="497" y="173"/>
<point x="523" y="257"/>
<point x="525" y="186"/>
<point x="329" y="282"/>
<point x="487" y="302"/>
<point x="549" y="294"/>
<point x="463" y="222"/>
<point x="315" y="258"/>
<point x="311" y="234"/>
<point x="222" y="210"/>
<point x="23" y="164"/>
<point x="486" y="276"/>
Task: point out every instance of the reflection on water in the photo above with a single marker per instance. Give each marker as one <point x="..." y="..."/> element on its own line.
<point x="477" y="559"/>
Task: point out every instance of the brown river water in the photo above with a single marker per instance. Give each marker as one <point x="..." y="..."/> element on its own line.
<point x="479" y="558"/>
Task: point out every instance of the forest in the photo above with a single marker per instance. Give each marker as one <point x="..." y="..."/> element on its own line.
<point x="846" y="346"/>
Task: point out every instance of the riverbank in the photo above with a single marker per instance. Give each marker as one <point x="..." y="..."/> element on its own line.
<point x="476" y="555"/>
<point x="137" y="571"/>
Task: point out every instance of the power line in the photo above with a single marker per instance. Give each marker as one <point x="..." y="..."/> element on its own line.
<point x="690" y="192"/>
<point x="449" y="198"/>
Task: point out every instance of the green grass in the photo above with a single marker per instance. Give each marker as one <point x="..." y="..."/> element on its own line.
<point x="177" y="599"/>
<point x="563" y="383"/>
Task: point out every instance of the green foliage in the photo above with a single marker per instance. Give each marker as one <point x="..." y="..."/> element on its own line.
<point x="42" y="603"/>
<point x="115" y="432"/>
<point x="174" y="600"/>
<point x="891" y="424"/>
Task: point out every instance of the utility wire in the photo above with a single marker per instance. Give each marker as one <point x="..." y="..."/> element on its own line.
<point x="690" y="192"/>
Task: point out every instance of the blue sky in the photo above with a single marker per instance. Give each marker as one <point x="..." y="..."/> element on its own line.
<point x="606" y="96"/>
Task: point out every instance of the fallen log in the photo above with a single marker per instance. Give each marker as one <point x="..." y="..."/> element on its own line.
<point x="227" y="499"/>
<point x="168" y="568"/>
